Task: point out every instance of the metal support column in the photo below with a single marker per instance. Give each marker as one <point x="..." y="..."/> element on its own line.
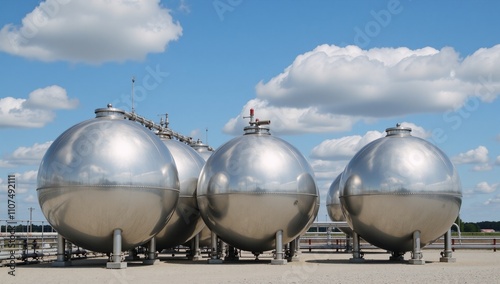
<point x="348" y="247"/>
<point x="356" y="251"/>
<point x="132" y="255"/>
<point x="214" y="254"/>
<point x="151" y="256"/>
<point x="292" y="251"/>
<point x="195" y="248"/>
<point x="416" y="255"/>
<point x="446" y="254"/>
<point x="61" y="253"/>
<point x="397" y="256"/>
<point x="232" y="254"/>
<point x="116" y="257"/>
<point x="279" y="260"/>
<point x="296" y="256"/>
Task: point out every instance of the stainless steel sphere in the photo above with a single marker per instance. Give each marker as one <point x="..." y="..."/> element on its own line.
<point x="104" y="174"/>
<point x="186" y="221"/>
<point x="255" y="185"/>
<point x="203" y="150"/>
<point x="333" y="205"/>
<point x="399" y="184"/>
<point x="205" y="237"/>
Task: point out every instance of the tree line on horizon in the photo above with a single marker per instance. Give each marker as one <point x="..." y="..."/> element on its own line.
<point x="476" y="226"/>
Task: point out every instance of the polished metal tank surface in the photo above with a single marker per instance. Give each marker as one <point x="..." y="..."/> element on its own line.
<point x="399" y="184"/>
<point x="104" y="174"/>
<point x="255" y="185"/>
<point x="186" y="221"/>
<point x="202" y="149"/>
<point x="205" y="237"/>
<point x="205" y="152"/>
<point x="333" y="205"/>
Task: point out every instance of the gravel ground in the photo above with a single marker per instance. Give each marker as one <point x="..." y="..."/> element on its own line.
<point x="470" y="267"/>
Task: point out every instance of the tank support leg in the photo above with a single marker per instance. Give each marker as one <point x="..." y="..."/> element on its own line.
<point x="348" y="247"/>
<point x="151" y="259"/>
<point x="416" y="255"/>
<point x="279" y="249"/>
<point x="69" y="250"/>
<point x="356" y="250"/>
<point x="297" y="254"/>
<point x="61" y="253"/>
<point x="116" y="257"/>
<point x="214" y="255"/>
<point x="132" y="255"/>
<point x="446" y="254"/>
<point x="195" y="248"/>
<point x="291" y="253"/>
<point x="397" y="256"/>
<point x="232" y="254"/>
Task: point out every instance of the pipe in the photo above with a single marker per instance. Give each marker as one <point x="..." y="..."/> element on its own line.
<point x="161" y="130"/>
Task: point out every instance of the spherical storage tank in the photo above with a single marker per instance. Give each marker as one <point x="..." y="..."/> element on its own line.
<point x="205" y="152"/>
<point x="397" y="185"/>
<point x="186" y="221"/>
<point x="254" y="186"/>
<point x="104" y="174"/>
<point x="333" y="205"/>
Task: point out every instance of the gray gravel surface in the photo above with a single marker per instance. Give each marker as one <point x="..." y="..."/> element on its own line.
<point x="320" y="267"/>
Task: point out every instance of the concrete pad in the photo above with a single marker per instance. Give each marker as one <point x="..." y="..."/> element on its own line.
<point x="116" y="265"/>
<point x="279" y="262"/>
<point x="215" y="261"/>
<point x="61" y="263"/>
<point x="150" y="261"/>
<point x="447" y="259"/>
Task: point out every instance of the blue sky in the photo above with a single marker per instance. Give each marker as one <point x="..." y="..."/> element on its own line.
<point x="330" y="75"/>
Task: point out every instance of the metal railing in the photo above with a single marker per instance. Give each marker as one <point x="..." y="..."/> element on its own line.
<point x="338" y="241"/>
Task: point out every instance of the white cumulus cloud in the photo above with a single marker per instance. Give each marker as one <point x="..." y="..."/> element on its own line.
<point x="52" y="97"/>
<point x="346" y="147"/>
<point x="343" y="148"/>
<point x="25" y="182"/>
<point x="493" y="201"/>
<point x="327" y="170"/>
<point x="26" y="155"/>
<point x="484" y="187"/>
<point x="381" y="82"/>
<point x="474" y="156"/>
<point x="340" y="86"/>
<point x="290" y="120"/>
<point x="37" y="110"/>
<point x="91" y="31"/>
